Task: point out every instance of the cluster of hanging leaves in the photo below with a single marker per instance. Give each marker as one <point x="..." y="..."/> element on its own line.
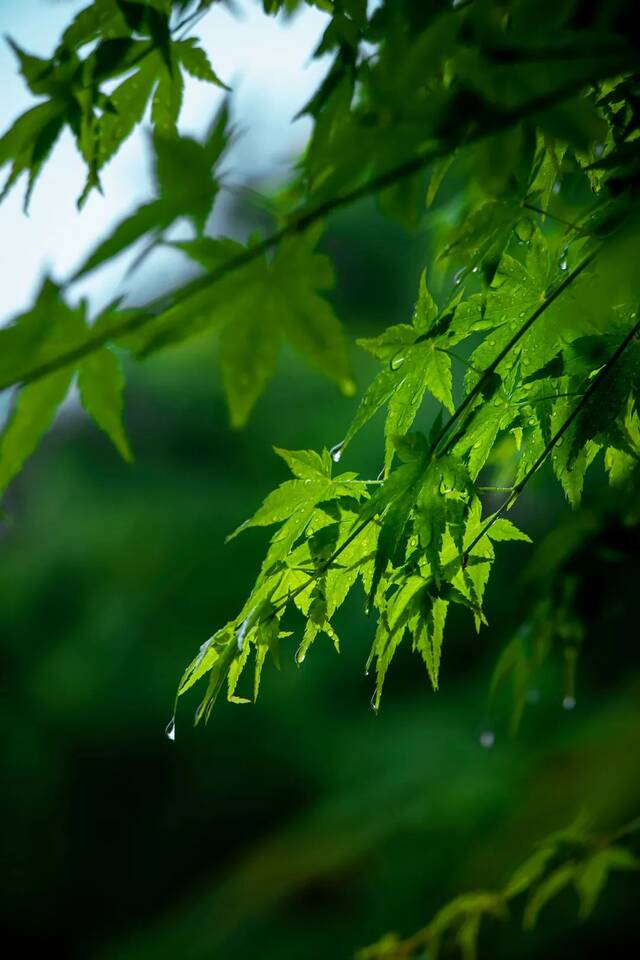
<point x="571" y="859"/>
<point x="115" y="58"/>
<point x="532" y="122"/>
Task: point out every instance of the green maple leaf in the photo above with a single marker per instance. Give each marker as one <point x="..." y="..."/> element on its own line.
<point x="129" y="38"/>
<point x="255" y="310"/>
<point x="186" y="188"/>
<point x="38" y="338"/>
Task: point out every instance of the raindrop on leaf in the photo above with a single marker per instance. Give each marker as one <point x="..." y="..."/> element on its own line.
<point x="524" y="230"/>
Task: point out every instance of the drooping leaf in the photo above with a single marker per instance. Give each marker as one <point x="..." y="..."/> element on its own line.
<point x="101" y="383"/>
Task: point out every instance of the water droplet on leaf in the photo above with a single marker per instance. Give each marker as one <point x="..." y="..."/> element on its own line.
<point x="524" y="230"/>
<point x="396" y="362"/>
<point x="170" y="729"/>
<point x="487" y="739"/>
<point x="348" y="387"/>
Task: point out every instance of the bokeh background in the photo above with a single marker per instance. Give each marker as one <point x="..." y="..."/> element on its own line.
<point x="303" y="826"/>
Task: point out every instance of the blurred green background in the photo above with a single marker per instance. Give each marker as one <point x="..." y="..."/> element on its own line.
<point x="306" y="825"/>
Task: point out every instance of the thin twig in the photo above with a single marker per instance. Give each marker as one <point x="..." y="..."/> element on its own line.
<point x="586" y="396"/>
<point x="554" y="216"/>
<point x="491" y="369"/>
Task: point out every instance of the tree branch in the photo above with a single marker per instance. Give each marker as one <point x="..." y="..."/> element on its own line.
<point x="297" y="223"/>
<point x="595" y="384"/>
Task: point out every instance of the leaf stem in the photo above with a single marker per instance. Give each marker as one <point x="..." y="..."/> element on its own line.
<point x="595" y="384"/>
<point x="517" y="336"/>
<point x="527" y="401"/>
<point x="554" y="216"/>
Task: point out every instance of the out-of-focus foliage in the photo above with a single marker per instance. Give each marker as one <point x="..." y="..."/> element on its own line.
<point x="568" y="858"/>
<point x="519" y="123"/>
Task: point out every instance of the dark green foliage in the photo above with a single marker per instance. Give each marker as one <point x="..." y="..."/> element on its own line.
<point x="570" y="858"/>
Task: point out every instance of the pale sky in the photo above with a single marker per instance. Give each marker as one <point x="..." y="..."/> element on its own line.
<point x="267" y="62"/>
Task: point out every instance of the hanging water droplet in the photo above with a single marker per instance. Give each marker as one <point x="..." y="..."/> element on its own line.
<point x="336" y="452"/>
<point x="458" y="275"/>
<point x="348" y="387"/>
<point x="598" y="150"/>
<point x="170" y="729"/>
<point x="563" y="263"/>
<point x="396" y="362"/>
<point x="556" y="187"/>
<point x="487" y="739"/>
<point x="374" y="703"/>
<point x="524" y="230"/>
<point x="568" y="703"/>
<point x="300" y="655"/>
<point x="367" y="611"/>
